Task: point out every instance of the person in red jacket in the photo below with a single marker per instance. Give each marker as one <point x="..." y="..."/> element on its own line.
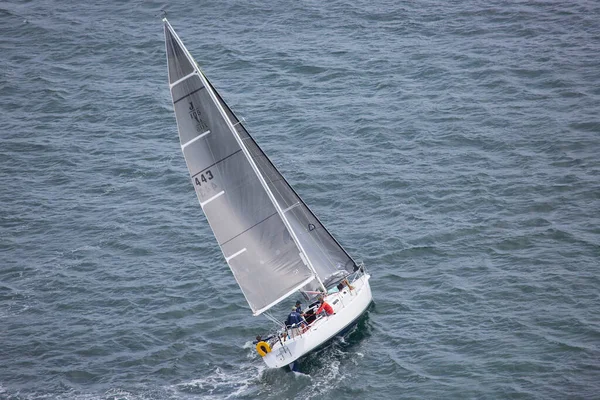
<point x="325" y="306"/>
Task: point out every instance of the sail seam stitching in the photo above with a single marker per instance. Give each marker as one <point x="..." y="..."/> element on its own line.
<point x="188" y="95"/>
<point x="215" y="163"/>
<point x="241" y="233"/>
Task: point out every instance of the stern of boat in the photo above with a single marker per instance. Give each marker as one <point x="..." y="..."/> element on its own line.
<point x="348" y="305"/>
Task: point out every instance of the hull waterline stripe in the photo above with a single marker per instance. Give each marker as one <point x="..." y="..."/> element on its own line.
<point x="202" y="204"/>
<point x="235" y="254"/>
<point x="215" y="163"/>
<point x="178" y="81"/>
<point x="183" y="146"/>
<point x="188" y="95"/>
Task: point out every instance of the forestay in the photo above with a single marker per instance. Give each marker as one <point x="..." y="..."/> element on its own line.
<point x="249" y="227"/>
<point x="324" y="252"/>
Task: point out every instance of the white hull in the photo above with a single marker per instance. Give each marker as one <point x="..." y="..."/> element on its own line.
<point x="348" y="306"/>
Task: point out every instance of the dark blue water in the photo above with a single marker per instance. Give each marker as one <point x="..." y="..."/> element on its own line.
<point x="454" y="147"/>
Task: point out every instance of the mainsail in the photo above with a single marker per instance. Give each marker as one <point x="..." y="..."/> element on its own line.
<point x="272" y="242"/>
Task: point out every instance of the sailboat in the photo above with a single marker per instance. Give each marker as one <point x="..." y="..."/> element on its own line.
<point x="273" y="243"/>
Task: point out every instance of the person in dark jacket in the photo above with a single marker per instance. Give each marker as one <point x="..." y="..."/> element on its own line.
<point x="295" y="318"/>
<point x="299" y="307"/>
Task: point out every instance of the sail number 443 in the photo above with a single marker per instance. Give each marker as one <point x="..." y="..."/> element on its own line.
<point x="203" y="178"/>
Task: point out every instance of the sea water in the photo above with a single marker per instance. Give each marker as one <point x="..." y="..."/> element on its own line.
<point x="452" y="146"/>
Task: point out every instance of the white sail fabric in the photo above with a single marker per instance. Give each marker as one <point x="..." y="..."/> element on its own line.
<point x="251" y="233"/>
<point x="326" y="255"/>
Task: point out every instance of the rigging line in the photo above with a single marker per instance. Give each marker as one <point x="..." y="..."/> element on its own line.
<point x="307" y="213"/>
<point x="225" y="111"/>
<point x="274" y="320"/>
<point x="321" y="244"/>
<point x="262" y="154"/>
<point x="222" y="108"/>
<point x="241" y="131"/>
<point x="318" y="241"/>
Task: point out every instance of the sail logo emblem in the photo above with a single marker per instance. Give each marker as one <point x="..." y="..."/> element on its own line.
<point x="195" y="116"/>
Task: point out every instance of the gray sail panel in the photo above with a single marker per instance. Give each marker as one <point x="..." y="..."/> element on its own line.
<point x="191" y="104"/>
<point x="320" y="247"/>
<point x="327" y="257"/>
<point x="246" y="224"/>
<point x="178" y="64"/>
<point x="217" y="165"/>
<point x="278" y="257"/>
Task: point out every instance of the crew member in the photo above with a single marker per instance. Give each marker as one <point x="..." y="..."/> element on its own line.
<point x="295" y="318"/>
<point x="325" y="306"/>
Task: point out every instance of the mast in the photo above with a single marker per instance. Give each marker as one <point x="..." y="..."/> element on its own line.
<point x="281" y="177"/>
<point x="303" y="255"/>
